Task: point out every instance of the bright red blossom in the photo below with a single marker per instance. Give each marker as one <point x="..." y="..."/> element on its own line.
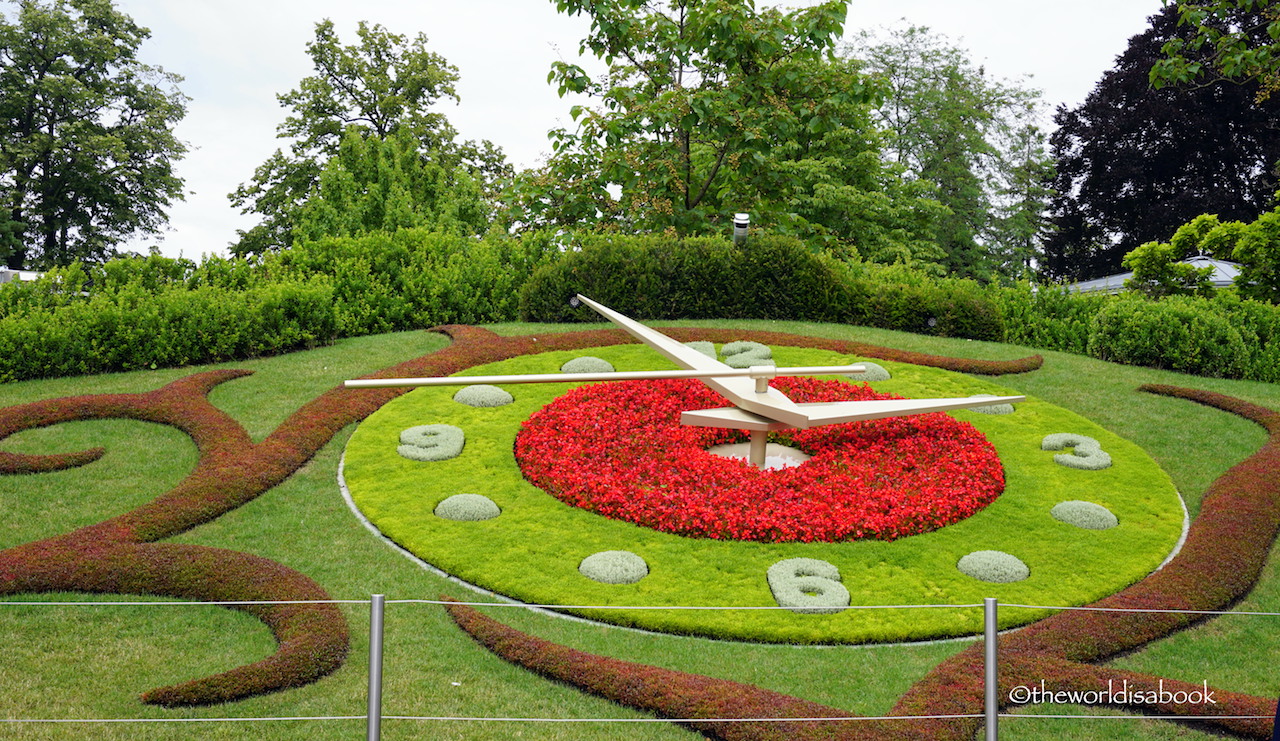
<point x="618" y="450"/>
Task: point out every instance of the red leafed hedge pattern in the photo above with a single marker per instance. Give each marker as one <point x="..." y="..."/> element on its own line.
<point x="122" y="555"/>
<point x="619" y="450"/>
<point x="1219" y="563"/>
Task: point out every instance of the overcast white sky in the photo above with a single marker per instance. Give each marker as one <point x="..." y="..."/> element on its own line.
<point x="237" y="55"/>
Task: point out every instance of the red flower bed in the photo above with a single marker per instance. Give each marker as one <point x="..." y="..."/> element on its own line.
<point x="619" y="450"/>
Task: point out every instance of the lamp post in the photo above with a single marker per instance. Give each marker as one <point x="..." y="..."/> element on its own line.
<point x="740" y="224"/>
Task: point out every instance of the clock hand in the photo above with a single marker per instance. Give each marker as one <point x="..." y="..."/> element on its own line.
<point x="755" y="397"/>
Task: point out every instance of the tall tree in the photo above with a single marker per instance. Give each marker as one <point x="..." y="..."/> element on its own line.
<point x="86" y="133"/>
<point x="711" y="107"/>
<point x="971" y="136"/>
<point x="1136" y="162"/>
<point x="1020" y="225"/>
<point x="1222" y="48"/>
<point x="374" y="184"/>
<point x="382" y="85"/>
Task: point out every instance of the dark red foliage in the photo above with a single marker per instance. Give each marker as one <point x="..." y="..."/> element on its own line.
<point x="668" y="693"/>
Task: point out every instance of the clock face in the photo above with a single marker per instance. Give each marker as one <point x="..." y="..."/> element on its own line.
<point x="443" y="478"/>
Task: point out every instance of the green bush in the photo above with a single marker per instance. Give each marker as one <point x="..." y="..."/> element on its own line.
<point x="481" y="284"/>
<point x="898" y="297"/>
<point x="412" y="278"/>
<point x="773" y="277"/>
<point x="142" y="312"/>
<point x="1128" y="329"/>
<point x="152" y="273"/>
<point x="131" y="329"/>
<point x="1259" y="325"/>
<point x="150" y="312"/>
<point x="58" y="287"/>
<point x="1049" y="317"/>
<point x="656" y="277"/>
<point x="1178" y="333"/>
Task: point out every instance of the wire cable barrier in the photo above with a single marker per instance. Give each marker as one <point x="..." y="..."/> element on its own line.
<point x="377" y="605"/>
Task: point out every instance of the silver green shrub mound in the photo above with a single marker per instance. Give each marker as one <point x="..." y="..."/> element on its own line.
<point x="996" y="567"/>
<point x="991" y="408"/>
<point x="429" y="443"/>
<point x="745" y="353"/>
<point x="1086" y="453"/>
<point x="467" y="508"/>
<point x="587" y="364"/>
<point x="483" y="395"/>
<point x="1087" y="515"/>
<point x="874" y="372"/>
<point x="703" y="346"/>
<point x="614" y="567"/>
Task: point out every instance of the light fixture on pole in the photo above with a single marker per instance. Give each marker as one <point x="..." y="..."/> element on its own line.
<point x="740" y="224"/>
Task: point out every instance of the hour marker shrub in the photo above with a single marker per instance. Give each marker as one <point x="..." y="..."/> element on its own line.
<point x="996" y="567"/>
<point x="991" y="408"/>
<point x="1086" y="453"/>
<point x="745" y="353"/>
<point x="614" y="567"/>
<point x="467" y="508"/>
<point x="587" y="364"/>
<point x="483" y="395"/>
<point x="1087" y="515"/>
<point x="431" y="443"/>
<point x="874" y="372"/>
<point x="808" y="585"/>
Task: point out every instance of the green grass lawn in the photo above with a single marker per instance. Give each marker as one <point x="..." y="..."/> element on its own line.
<point x="93" y="662"/>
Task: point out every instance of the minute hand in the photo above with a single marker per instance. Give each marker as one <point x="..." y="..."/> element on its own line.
<point x="741" y="392"/>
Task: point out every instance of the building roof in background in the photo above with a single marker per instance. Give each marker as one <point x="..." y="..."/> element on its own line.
<point x="1223" y="275"/>
<point x="7" y="275"/>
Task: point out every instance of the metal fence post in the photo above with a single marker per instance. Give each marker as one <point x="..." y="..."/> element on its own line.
<point x="990" y="683"/>
<point x="376" y="605"/>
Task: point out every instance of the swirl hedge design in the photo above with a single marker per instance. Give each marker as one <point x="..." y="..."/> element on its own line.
<point x="1222" y="559"/>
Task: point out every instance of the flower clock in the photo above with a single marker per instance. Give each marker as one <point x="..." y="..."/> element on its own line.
<point x="596" y="495"/>
<point x="573" y="495"/>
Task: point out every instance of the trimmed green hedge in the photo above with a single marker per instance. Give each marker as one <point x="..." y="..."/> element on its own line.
<point x="142" y="312"/>
<point x="134" y="329"/>
<point x="898" y="298"/>
<point x="152" y="312"/>
<point x="772" y="277"/>
<point x="1048" y="317"/>
<point x="1176" y="332"/>
<point x="1223" y="336"/>
<point x="415" y="278"/>
<point x="655" y="277"/>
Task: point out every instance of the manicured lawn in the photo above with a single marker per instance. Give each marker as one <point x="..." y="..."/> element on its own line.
<point x="62" y="662"/>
